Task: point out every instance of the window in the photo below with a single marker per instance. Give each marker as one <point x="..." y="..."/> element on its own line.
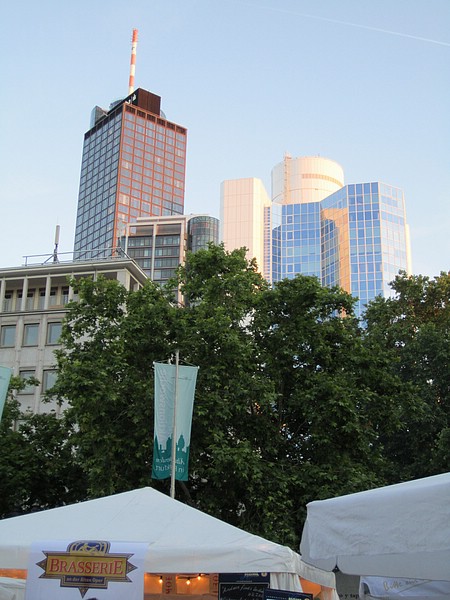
<point x="7" y="302"/>
<point x="53" y="332"/>
<point x="41" y="299"/>
<point x="26" y="374"/>
<point x="8" y="336"/>
<point x="29" y="305"/>
<point x="53" y="301"/>
<point x="48" y="379"/>
<point x="30" y="334"/>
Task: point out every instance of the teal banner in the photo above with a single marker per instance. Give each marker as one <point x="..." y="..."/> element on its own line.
<point x="5" y="376"/>
<point x="166" y="389"/>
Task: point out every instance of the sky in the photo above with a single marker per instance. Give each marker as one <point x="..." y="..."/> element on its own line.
<point x="363" y="82"/>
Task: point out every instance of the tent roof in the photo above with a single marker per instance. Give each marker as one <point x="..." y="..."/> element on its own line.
<point x="400" y="530"/>
<point x="180" y="538"/>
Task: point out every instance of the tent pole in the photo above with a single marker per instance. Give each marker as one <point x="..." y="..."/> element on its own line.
<point x="174" y="428"/>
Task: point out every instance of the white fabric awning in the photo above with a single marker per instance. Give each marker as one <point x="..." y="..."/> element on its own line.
<point x="180" y="538"/>
<point x="401" y="530"/>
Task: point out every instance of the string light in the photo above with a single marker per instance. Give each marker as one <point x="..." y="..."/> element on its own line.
<point x="188" y="582"/>
<point x="160" y="579"/>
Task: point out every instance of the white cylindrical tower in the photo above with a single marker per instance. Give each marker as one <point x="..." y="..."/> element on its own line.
<point x="305" y="179"/>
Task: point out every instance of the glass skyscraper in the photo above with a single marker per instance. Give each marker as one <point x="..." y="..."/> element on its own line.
<point x="133" y="165"/>
<point x="364" y="239"/>
<point x="352" y="236"/>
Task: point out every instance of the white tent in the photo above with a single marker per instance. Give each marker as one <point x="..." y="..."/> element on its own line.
<point x="180" y="539"/>
<point x="400" y="530"/>
<point x="382" y="588"/>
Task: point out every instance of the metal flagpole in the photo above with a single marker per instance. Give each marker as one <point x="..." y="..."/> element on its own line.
<point x="174" y="428"/>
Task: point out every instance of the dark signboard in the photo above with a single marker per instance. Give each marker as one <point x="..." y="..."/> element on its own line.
<point x="243" y="586"/>
<point x="285" y="595"/>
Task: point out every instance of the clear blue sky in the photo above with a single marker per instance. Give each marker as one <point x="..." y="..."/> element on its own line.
<point x="363" y="82"/>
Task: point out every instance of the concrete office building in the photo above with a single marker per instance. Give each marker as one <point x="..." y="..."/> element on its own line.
<point x="133" y="166"/>
<point x="33" y="301"/>
<point x="354" y="236"/>
<point x="159" y="244"/>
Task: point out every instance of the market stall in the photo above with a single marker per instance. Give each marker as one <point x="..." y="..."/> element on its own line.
<point x="400" y="531"/>
<point x="181" y="542"/>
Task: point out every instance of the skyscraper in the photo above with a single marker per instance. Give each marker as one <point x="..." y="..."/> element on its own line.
<point x="242" y="216"/>
<point x="353" y="236"/>
<point x="133" y="165"/>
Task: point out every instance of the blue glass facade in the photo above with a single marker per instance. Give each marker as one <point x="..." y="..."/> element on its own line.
<point x="355" y="238"/>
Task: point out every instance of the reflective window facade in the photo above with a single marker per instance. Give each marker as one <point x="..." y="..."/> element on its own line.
<point x="296" y="240"/>
<point x="201" y="231"/>
<point x="356" y="238"/>
<point x="133" y="166"/>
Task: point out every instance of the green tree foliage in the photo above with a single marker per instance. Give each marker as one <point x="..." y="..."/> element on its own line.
<point x="110" y="340"/>
<point x="38" y="467"/>
<point x="413" y="330"/>
<point x="294" y="400"/>
<point x="323" y="405"/>
<point x="234" y="476"/>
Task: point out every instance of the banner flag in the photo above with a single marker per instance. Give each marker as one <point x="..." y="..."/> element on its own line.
<point x="85" y="569"/>
<point x="165" y="390"/>
<point x="5" y="376"/>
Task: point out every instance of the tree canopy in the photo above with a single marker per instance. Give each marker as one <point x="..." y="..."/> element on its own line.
<point x="295" y="400"/>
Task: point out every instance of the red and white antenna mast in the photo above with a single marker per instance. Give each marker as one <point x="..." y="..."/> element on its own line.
<point x="133" y="61"/>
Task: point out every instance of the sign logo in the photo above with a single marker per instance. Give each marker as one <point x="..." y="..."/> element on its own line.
<point x="86" y="564"/>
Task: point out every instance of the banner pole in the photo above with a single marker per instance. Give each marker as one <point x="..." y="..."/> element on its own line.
<point x="174" y="427"/>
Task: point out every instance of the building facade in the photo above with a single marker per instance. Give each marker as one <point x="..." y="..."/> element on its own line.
<point x="244" y="213"/>
<point x="33" y="301"/>
<point x="352" y="236"/>
<point x="133" y="165"/>
<point x="159" y="244"/>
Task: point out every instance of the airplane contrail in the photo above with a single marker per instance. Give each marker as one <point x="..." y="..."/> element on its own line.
<point x="397" y="33"/>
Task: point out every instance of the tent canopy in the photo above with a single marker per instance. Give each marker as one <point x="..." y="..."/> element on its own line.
<point x="400" y="530"/>
<point x="180" y="538"/>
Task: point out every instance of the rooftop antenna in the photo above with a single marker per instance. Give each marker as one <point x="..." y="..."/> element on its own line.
<point x="133" y="61"/>
<point x="55" y="251"/>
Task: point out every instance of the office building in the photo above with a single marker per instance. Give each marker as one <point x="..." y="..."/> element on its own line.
<point x="353" y="236"/>
<point x="245" y="219"/>
<point x="33" y="301"/>
<point x="159" y="244"/>
<point x="133" y="165"/>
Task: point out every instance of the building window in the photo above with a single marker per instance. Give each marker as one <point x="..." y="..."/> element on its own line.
<point x="41" y="299"/>
<point x="53" y="332"/>
<point x="8" y="336"/>
<point x="30" y="334"/>
<point x="48" y="379"/>
<point x="65" y="295"/>
<point x="7" y="302"/>
<point x="26" y="374"/>
<point x="29" y="305"/>
<point x="53" y="300"/>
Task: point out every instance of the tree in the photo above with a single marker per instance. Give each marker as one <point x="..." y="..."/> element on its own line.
<point x="294" y="401"/>
<point x="234" y="437"/>
<point x="413" y="329"/>
<point x="38" y="467"/>
<point x="109" y="342"/>
<point x="325" y="400"/>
